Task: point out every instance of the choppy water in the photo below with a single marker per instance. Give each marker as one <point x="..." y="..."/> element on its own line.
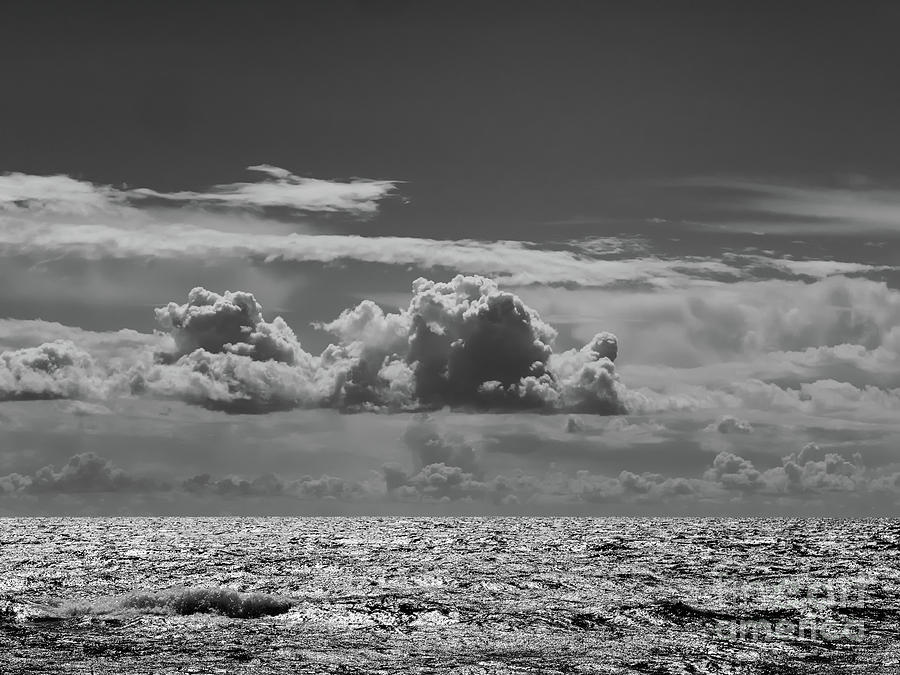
<point x="345" y="595"/>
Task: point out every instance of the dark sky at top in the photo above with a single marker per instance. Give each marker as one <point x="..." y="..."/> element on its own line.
<point x="499" y="113"/>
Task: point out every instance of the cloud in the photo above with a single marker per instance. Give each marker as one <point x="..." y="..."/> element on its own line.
<point x="468" y="343"/>
<point x="270" y="485"/>
<point x="809" y="475"/>
<point x="814" y="470"/>
<point x="52" y="370"/>
<point x="728" y="424"/>
<point x="786" y="331"/>
<point x="60" y="217"/>
<point x="86" y="409"/>
<point x="810" y="471"/>
<point x="574" y="425"/>
<point x="464" y="343"/>
<point x="230" y="323"/>
<point x="430" y="445"/>
<point x="55" y="194"/>
<point x="831" y="347"/>
<point x="771" y="207"/>
<point x="89" y="473"/>
<point x="83" y="473"/>
<point x="819" y="398"/>
<point x="283" y="189"/>
<point x="734" y="473"/>
<point x="278" y="189"/>
<point x="438" y="482"/>
<point x="513" y="262"/>
<point x="115" y="345"/>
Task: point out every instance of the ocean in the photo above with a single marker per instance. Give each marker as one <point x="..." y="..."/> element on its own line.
<point x="448" y="595"/>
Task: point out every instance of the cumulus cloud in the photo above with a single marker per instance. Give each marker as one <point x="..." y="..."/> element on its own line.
<point x="819" y="398"/>
<point x="464" y="343"/>
<point x="784" y="331"/>
<point x="230" y="323"/>
<point x="628" y="485"/>
<point x="83" y="473"/>
<point x="52" y="370"/>
<point x="114" y="345"/>
<point x="439" y="482"/>
<point x="431" y="445"/>
<point x="436" y="482"/>
<point x="733" y="472"/>
<point x="727" y="424"/>
<point x="89" y="473"/>
<point x="814" y="470"/>
<point x="447" y="468"/>
<point x="811" y="470"/>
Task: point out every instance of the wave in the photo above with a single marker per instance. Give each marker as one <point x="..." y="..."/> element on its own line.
<point x="181" y="601"/>
<point x="678" y="610"/>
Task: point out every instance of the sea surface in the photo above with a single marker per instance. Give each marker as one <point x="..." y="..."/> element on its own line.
<point x="451" y="595"/>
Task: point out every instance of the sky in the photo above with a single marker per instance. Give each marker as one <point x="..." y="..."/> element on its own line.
<point x="533" y="258"/>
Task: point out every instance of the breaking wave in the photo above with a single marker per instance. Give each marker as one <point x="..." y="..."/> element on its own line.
<point x="183" y="601"/>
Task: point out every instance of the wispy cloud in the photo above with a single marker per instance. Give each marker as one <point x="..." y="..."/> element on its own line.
<point x="278" y="189"/>
<point x="513" y="262"/>
<point x="60" y="217"/>
<point x="55" y="194"/>
<point x="761" y="206"/>
<point x="283" y="189"/>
